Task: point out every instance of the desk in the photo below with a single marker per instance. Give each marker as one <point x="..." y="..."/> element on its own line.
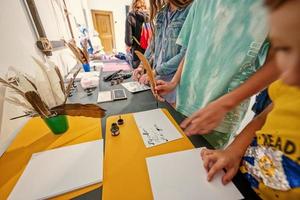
<point x="141" y="102"/>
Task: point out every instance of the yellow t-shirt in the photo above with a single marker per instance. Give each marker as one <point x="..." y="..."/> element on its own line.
<point x="272" y="162"/>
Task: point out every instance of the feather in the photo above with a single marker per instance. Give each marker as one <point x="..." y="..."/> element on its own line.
<point x="81" y="55"/>
<point x="61" y="80"/>
<point x="31" y="82"/>
<point x="147" y="66"/>
<point x="22" y="82"/>
<point x="85" y="52"/>
<point x="17" y="103"/>
<point x="44" y="86"/>
<point x="14" y="87"/>
<point x="69" y="86"/>
<point x="87" y="110"/>
<point x="39" y="106"/>
<point x="55" y="83"/>
<point x="24" y="104"/>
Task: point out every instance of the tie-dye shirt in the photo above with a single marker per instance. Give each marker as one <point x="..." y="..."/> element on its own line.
<point x="224" y="39"/>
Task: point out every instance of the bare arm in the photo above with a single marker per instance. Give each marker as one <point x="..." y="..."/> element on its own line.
<point x="229" y="159"/>
<point x="208" y="118"/>
<point x="244" y="139"/>
<point x="257" y="82"/>
<point x="177" y="76"/>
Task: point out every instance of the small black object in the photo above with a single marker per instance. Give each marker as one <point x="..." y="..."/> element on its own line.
<point x="120" y="121"/>
<point x="111" y="76"/>
<point x="114" y="129"/>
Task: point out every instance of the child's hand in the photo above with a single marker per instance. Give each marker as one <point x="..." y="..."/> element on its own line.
<point x="216" y="160"/>
<point x="137" y="73"/>
<point x="144" y="79"/>
<point x="163" y="87"/>
<point x="206" y="119"/>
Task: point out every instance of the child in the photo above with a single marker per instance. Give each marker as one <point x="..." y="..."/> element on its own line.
<point x="272" y="161"/>
<point x="169" y="19"/>
<point x="226" y="48"/>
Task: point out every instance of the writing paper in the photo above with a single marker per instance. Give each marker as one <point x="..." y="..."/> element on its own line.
<point x="135" y="86"/>
<point x="104" y="96"/>
<point x="181" y="176"/>
<point x="155" y="128"/>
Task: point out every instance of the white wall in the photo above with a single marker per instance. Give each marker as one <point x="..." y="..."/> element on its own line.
<point x="119" y="14"/>
<point x="17" y="39"/>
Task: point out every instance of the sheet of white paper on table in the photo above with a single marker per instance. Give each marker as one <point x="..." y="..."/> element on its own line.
<point x="104" y="96"/>
<point x="82" y="74"/>
<point x="60" y="170"/>
<point x="181" y="175"/>
<point x="155" y="127"/>
<point x="135" y="86"/>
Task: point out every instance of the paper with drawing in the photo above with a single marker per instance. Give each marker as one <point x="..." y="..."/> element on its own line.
<point x="135" y="86"/>
<point x="181" y="176"/>
<point x="155" y="127"/>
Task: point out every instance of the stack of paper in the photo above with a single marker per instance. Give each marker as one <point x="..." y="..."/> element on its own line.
<point x="61" y="170"/>
<point x="181" y="176"/>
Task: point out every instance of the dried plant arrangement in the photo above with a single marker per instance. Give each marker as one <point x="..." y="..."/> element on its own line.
<point x="81" y="55"/>
<point x="46" y="94"/>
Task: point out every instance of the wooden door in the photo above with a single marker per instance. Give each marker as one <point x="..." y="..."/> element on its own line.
<point x="104" y="24"/>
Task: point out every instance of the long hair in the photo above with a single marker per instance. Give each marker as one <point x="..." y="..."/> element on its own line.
<point x="157" y="5"/>
<point x="138" y="5"/>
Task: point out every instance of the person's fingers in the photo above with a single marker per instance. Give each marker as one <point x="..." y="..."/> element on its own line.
<point x="230" y="173"/>
<point x="193" y="129"/>
<point x="160" y="82"/>
<point x="160" y="87"/>
<point x="161" y="99"/>
<point x="198" y="126"/>
<point x="203" y="152"/>
<point x="214" y="169"/>
<point x="209" y="161"/>
<point x="206" y="152"/>
<point x="186" y="122"/>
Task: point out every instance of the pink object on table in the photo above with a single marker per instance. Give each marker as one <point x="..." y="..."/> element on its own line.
<point x="115" y="66"/>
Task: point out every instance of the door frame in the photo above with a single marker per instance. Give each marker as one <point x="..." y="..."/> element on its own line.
<point x="110" y="13"/>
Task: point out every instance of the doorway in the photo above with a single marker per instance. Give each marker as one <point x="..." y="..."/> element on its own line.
<point x="104" y="25"/>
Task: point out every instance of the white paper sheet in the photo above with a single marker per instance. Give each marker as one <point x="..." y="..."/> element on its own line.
<point x="82" y="74"/>
<point x="60" y="170"/>
<point x="181" y="176"/>
<point x="104" y="96"/>
<point x="155" y="127"/>
<point x="135" y="86"/>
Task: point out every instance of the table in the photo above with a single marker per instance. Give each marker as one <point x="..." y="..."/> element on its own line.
<point x="140" y="102"/>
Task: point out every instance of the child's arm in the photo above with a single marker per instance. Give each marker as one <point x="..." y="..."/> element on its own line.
<point x="229" y="159"/>
<point x="163" y="87"/>
<point x="208" y="118"/>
